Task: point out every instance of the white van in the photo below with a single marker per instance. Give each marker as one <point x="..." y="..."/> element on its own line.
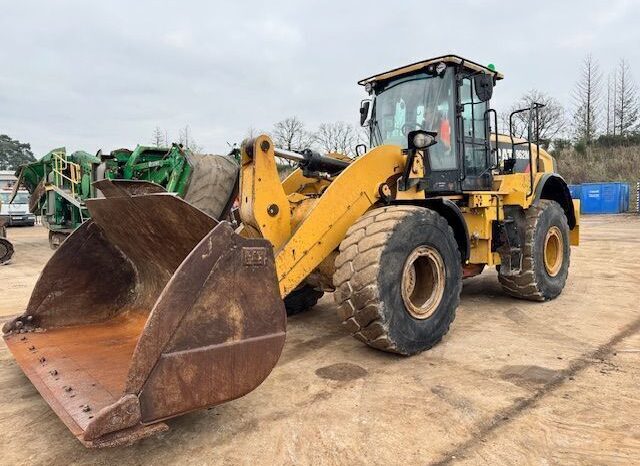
<point x="16" y="213"/>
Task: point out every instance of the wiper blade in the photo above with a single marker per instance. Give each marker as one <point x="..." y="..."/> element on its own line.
<point x="377" y="134"/>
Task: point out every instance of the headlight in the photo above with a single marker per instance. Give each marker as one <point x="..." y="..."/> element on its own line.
<point x="422" y="140"/>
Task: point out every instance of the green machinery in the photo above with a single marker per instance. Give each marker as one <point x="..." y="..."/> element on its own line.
<point x="60" y="184"/>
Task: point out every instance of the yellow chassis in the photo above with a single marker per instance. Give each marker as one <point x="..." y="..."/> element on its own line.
<point x="305" y="219"/>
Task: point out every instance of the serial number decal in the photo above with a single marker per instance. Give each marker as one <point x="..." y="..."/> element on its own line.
<point x="253" y="257"/>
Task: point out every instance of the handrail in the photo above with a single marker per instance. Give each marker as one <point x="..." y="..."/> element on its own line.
<point x="535" y="106"/>
<point x="62" y="164"/>
<point x="488" y="112"/>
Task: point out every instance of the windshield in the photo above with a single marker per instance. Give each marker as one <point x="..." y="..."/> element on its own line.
<point x="417" y="102"/>
<point x="21" y="198"/>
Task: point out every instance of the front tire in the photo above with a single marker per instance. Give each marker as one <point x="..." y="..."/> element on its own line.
<point x="398" y="279"/>
<point x="546" y="255"/>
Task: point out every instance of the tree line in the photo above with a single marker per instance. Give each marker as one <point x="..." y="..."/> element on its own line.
<point x="291" y="134"/>
<point x="14" y="153"/>
<point x="603" y="112"/>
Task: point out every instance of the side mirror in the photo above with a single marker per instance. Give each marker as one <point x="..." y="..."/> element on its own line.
<point x="484" y="86"/>
<point x="361" y="149"/>
<point x="364" y="110"/>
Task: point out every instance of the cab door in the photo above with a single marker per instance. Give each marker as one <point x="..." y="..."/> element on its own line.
<point x="473" y="132"/>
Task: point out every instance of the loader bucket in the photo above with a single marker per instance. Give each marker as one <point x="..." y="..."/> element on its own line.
<point x="147" y="311"/>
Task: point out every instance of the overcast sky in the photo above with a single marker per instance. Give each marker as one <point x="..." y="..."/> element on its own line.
<point x="88" y="75"/>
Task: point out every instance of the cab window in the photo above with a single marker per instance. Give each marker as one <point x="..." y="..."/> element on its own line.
<point x="416" y="102"/>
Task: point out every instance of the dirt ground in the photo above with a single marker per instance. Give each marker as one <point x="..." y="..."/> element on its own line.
<point x="513" y="382"/>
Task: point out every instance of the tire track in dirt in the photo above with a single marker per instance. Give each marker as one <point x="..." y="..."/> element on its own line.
<point x="513" y="412"/>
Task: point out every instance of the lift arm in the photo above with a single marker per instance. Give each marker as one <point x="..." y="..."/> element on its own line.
<point x="264" y="206"/>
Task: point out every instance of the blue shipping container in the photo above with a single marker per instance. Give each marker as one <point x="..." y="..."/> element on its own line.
<point x="575" y="190"/>
<point x="625" y="197"/>
<point x="604" y="198"/>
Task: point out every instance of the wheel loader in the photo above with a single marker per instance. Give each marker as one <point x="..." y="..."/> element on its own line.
<point x="166" y="316"/>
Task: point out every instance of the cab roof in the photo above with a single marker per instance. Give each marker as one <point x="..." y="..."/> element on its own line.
<point x="449" y="59"/>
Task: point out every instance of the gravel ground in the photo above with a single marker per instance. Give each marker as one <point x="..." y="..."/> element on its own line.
<point x="513" y="382"/>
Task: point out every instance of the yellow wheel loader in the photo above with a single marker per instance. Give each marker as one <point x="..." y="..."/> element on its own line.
<point x="169" y="316"/>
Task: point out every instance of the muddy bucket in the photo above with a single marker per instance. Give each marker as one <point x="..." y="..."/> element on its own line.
<point x="147" y="311"/>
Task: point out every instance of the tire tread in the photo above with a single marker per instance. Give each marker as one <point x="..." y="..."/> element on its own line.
<point x="356" y="278"/>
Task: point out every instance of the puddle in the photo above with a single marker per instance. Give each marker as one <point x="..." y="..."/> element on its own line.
<point x="342" y="372"/>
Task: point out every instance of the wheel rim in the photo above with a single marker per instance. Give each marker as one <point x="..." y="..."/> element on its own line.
<point x="553" y="251"/>
<point x="423" y="279"/>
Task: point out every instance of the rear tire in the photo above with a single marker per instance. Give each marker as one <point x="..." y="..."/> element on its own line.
<point x="398" y="279"/>
<point x="546" y="255"/>
<point x="302" y="299"/>
<point x="213" y="185"/>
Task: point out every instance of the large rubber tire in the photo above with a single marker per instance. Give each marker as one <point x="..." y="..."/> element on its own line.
<point x="213" y="185"/>
<point x="56" y="238"/>
<point x="534" y="282"/>
<point x="369" y="278"/>
<point x="6" y="250"/>
<point x="302" y="299"/>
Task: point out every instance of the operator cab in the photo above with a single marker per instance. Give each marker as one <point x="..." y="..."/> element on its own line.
<point x="439" y="106"/>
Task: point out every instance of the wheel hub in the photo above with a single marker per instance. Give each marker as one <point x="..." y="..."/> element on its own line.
<point x="553" y="251"/>
<point x="423" y="280"/>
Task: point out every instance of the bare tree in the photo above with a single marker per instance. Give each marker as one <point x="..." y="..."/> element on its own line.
<point x="251" y="133"/>
<point x="364" y="136"/>
<point x="159" y="137"/>
<point x="586" y="97"/>
<point x="187" y="140"/>
<point x="550" y="120"/>
<point x="610" y="106"/>
<point x="337" y="137"/>
<point x="291" y="134"/>
<point x="626" y="108"/>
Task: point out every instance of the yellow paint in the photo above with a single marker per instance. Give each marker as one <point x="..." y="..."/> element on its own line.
<point x="479" y="216"/>
<point x="313" y="215"/>
<point x="417" y="172"/>
<point x="344" y="201"/>
<point x="261" y="190"/>
<point x="296" y="182"/>
<point x="574" y="236"/>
